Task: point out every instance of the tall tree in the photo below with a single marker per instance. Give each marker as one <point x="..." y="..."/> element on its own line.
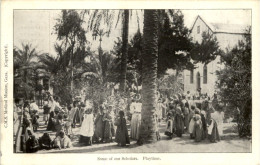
<point x="70" y="31"/>
<point x="235" y="82"/>
<point x="149" y="77"/>
<point x="24" y="64"/>
<point x="124" y="50"/>
<point x="207" y="50"/>
<point x="108" y="16"/>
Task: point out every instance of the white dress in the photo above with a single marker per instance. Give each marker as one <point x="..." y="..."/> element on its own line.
<point x="136" y="121"/>
<point x="87" y="127"/>
<point x="218" y="117"/>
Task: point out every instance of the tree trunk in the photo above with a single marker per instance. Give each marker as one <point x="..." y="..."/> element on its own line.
<point x="149" y="77"/>
<point x="124" y="51"/>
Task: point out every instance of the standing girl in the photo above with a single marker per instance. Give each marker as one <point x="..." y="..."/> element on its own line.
<point x="87" y="128"/>
<point x="122" y="137"/>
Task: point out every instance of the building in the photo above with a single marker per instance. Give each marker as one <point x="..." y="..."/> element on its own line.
<point x="204" y="76"/>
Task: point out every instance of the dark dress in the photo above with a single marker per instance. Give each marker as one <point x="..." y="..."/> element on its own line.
<point x="204" y="126"/>
<point x="122" y="137"/>
<point x="179" y="123"/>
<point x="214" y="136"/>
<point x="99" y="128"/>
<point x="198" y="130"/>
<point x="107" y="127"/>
<point x="51" y="123"/>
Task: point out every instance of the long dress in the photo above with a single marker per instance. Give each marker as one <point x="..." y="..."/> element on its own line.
<point x="99" y="127"/>
<point x="186" y="118"/>
<point x="198" y="130"/>
<point x="51" y="123"/>
<point x="122" y="137"/>
<point x="218" y="117"/>
<point x="136" y="122"/>
<point x="213" y="133"/>
<point x="87" y="128"/>
<point x="107" y="127"/>
<point x="179" y="122"/>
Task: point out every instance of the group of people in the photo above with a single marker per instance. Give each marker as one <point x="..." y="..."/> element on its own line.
<point x="199" y="119"/>
<point x="100" y="125"/>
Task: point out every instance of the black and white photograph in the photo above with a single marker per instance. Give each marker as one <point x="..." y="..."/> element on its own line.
<point x="132" y="81"/>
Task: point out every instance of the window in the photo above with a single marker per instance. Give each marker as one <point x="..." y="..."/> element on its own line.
<point x="191" y="76"/>
<point x="198" y="29"/>
<point x="205" y="74"/>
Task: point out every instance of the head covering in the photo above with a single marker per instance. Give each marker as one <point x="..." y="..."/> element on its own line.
<point x="197" y="111"/>
<point x="121" y="113"/>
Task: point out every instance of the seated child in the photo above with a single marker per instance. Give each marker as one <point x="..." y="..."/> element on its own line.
<point x="62" y="141"/>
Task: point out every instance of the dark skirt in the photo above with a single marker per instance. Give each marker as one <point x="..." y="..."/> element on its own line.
<point x="85" y="140"/>
<point x="198" y="131"/>
<point x="179" y="125"/>
<point x="122" y="137"/>
<point x="107" y="131"/>
<point x="214" y="136"/>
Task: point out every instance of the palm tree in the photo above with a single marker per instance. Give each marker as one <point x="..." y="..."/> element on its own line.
<point x="24" y="63"/>
<point x="149" y="77"/>
<point x="108" y="16"/>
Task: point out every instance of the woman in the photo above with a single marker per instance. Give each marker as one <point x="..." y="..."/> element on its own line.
<point x="179" y="120"/>
<point x="122" y="137"/>
<point x="107" y="119"/>
<point x="99" y="126"/>
<point x="87" y="128"/>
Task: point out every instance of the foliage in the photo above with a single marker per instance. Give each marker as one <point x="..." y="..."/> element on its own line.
<point x="25" y="77"/>
<point x="235" y="80"/>
<point x="207" y="50"/>
<point x="174" y="42"/>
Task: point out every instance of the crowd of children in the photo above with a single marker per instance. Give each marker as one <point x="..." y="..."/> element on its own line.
<point x="181" y="113"/>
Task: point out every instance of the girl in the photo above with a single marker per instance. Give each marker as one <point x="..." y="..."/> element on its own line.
<point x="170" y="122"/>
<point x="198" y="130"/>
<point x="46" y="111"/>
<point x="51" y="123"/>
<point x="99" y="126"/>
<point x="186" y="116"/>
<point x="87" y="128"/>
<point x="107" y="119"/>
<point x="136" y="122"/>
<point x="179" y="120"/>
<point x="192" y="121"/>
<point x="122" y="137"/>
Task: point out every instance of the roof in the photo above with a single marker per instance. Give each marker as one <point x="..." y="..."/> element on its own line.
<point x="222" y="27"/>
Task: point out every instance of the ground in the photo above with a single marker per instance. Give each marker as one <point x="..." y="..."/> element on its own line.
<point x="230" y="142"/>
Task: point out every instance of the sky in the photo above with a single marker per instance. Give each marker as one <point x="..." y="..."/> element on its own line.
<point x="36" y="26"/>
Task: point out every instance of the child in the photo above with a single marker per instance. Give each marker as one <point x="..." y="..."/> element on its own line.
<point x="46" y="111"/>
<point x="198" y="130"/>
<point x="45" y="141"/>
<point x="192" y="121"/>
<point x="179" y="120"/>
<point x="62" y="141"/>
<point x="35" y="122"/>
<point x="170" y="122"/>
<point x="87" y="128"/>
<point x="122" y="137"/>
<point x="107" y="119"/>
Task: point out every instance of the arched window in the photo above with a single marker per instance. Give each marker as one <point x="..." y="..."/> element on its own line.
<point x="205" y="74"/>
<point x="191" y="76"/>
